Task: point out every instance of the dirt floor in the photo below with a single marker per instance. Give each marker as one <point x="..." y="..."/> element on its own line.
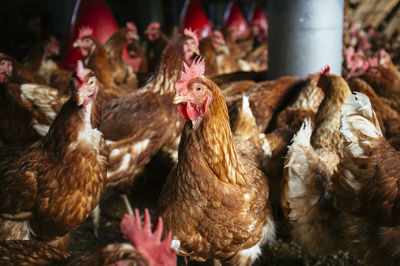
<point x="283" y="252"/>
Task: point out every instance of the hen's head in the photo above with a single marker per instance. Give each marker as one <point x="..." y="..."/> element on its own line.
<point x="86" y="87"/>
<point x="52" y="47"/>
<point x="149" y="244"/>
<point x="5" y="69"/>
<point x="191" y="46"/>
<point x="193" y="95"/>
<point x="153" y="31"/>
<point x="85" y="42"/>
<point x="132" y="33"/>
<point x="217" y="39"/>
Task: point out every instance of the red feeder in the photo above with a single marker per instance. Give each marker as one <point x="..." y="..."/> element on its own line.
<point x="235" y="21"/>
<point x="193" y="16"/>
<point x="93" y="13"/>
<point x="257" y="17"/>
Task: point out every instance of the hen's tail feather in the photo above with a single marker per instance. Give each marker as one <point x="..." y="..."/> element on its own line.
<point x="245" y="125"/>
<point x="359" y="123"/>
<point x="309" y="209"/>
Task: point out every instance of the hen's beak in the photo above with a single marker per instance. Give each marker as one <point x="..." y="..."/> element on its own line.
<point x="75" y="45"/>
<point x="179" y="99"/>
<point x="83" y="95"/>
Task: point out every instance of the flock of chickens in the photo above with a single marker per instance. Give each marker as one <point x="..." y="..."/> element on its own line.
<point x="322" y="151"/>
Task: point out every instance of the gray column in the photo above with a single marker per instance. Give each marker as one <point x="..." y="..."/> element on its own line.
<point x="304" y="36"/>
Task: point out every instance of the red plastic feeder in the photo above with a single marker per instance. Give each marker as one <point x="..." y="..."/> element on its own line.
<point x="257" y="17"/>
<point x="193" y="16"/>
<point x="93" y="13"/>
<point x="234" y="20"/>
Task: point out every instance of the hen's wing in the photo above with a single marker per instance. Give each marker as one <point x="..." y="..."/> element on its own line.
<point x="44" y="102"/>
<point x="135" y="127"/>
<point x="18" y="183"/>
<point x="265" y="98"/>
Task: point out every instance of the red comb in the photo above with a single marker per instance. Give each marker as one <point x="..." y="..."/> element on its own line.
<point x="324" y="71"/>
<point x="321" y="74"/>
<point x="131" y="26"/>
<point x="80" y="71"/>
<point x="190" y="33"/>
<point x="195" y="70"/>
<point x="149" y="244"/>
<point x="85" y="31"/>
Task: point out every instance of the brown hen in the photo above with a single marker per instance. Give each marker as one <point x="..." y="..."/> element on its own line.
<point x="310" y="162"/>
<point x="215" y="201"/>
<point x="389" y="119"/>
<point x="27" y="109"/>
<point x="49" y="187"/>
<point x="136" y="126"/>
<point x="121" y="72"/>
<point x="95" y="58"/>
<point x="365" y="188"/>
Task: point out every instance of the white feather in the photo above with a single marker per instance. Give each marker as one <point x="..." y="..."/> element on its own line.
<point x="359" y="121"/>
<point x="267" y="236"/>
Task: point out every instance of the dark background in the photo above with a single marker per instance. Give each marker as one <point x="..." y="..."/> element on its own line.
<point x="17" y="35"/>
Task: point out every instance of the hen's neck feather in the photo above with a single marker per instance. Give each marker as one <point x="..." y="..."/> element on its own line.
<point x="214" y="140"/>
<point x="169" y="68"/>
<point x="67" y="125"/>
<point x="116" y="43"/>
<point x="98" y="62"/>
<point x="326" y="138"/>
<point x="163" y="81"/>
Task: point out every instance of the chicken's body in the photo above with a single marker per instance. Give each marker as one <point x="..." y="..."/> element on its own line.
<point x="388" y="90"/>
<point x="304" y="104"/>
<point x="366" y="186"/>
<point x="389" y="119"/>
<point x="311" y="160"/>
<point x="51" y="186"/>
<point x="121" y="72"/>
<point x="155" y="47"/>
<point x="217" y="55"/>
<point x="15" y="119"/>
<point x="95" y="58"/>
<point x="39" y="62"/>
<point x="216" y="200"/>
<point x="137" y="125"/>
<point x="265" y="99"/>
<point x="27" y="108"/>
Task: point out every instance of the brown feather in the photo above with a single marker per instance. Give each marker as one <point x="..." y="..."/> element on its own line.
<point x="60" y="178"/>
<point x="204" y="200"/>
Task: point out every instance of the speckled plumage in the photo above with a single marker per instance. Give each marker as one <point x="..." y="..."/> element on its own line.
<point x="310" y="162"/>
<point x="137" y="125"/>
<point x="366" y="187"/>
<point x="53" y="184"/>
<point x="216" y="200"/>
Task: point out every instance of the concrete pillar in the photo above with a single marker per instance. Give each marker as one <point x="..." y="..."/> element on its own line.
<point x="304" y="36"/>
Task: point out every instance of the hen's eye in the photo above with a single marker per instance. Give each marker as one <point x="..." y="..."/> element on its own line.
<point x="198" y="89"/>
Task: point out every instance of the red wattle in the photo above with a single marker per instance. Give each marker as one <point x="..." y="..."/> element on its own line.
<point x="182" y="111"/>
<point x="83" y="52"/>
<point x="188" y="111"/>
